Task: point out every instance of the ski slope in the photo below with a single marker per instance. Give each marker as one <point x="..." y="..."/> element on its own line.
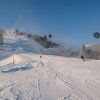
<point x="24" y="76"/>
<point x="51" y="78"/>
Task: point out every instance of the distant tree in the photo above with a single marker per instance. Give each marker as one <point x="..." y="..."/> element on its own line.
<point x="96" y="35"/>
<point x="21" y="33"/>
<point x="83" y="47"/>
<point x="29" y="35"/>
<point x="49" y="44"/>
<point x="89" y="50"/>
<point x="17" y="30"/>
<point x="45" y="37"/>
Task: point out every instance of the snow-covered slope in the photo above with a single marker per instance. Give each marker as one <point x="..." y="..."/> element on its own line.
<point x="91" y="51"/>
<point x="52" y="78"/>
<point x="95" y="47"/>
<point x="24" y="76"/>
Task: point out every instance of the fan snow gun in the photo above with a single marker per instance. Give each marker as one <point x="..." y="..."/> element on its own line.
<point x="96" y="35"/>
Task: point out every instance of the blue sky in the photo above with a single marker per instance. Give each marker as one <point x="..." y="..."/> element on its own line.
<point x="70" y="21"/>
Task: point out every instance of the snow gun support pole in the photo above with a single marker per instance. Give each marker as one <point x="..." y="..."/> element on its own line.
<point x="13" y="59"/>
<point x="41" y="54"/>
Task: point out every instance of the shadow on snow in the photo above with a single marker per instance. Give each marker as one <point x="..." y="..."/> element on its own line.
<point x="10" y="70"/>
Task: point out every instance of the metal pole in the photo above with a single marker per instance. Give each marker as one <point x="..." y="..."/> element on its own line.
<point x="13" y="60"/>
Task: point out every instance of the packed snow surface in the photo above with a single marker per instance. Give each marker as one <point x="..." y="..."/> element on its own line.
<point x="51" y="78"/>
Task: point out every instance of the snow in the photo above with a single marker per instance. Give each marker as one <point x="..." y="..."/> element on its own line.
<point x="52" y="78"/>
<point x="49" y="78"/>
<point x="88" y="45"/>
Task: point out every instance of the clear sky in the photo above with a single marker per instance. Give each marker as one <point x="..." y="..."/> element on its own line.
<point x="70" y="21"/>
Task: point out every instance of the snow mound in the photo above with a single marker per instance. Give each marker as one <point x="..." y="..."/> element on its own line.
<point x="9" y="59"/>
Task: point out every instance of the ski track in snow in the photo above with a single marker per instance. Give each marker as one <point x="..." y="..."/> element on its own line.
<point x="41" y="82"/>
